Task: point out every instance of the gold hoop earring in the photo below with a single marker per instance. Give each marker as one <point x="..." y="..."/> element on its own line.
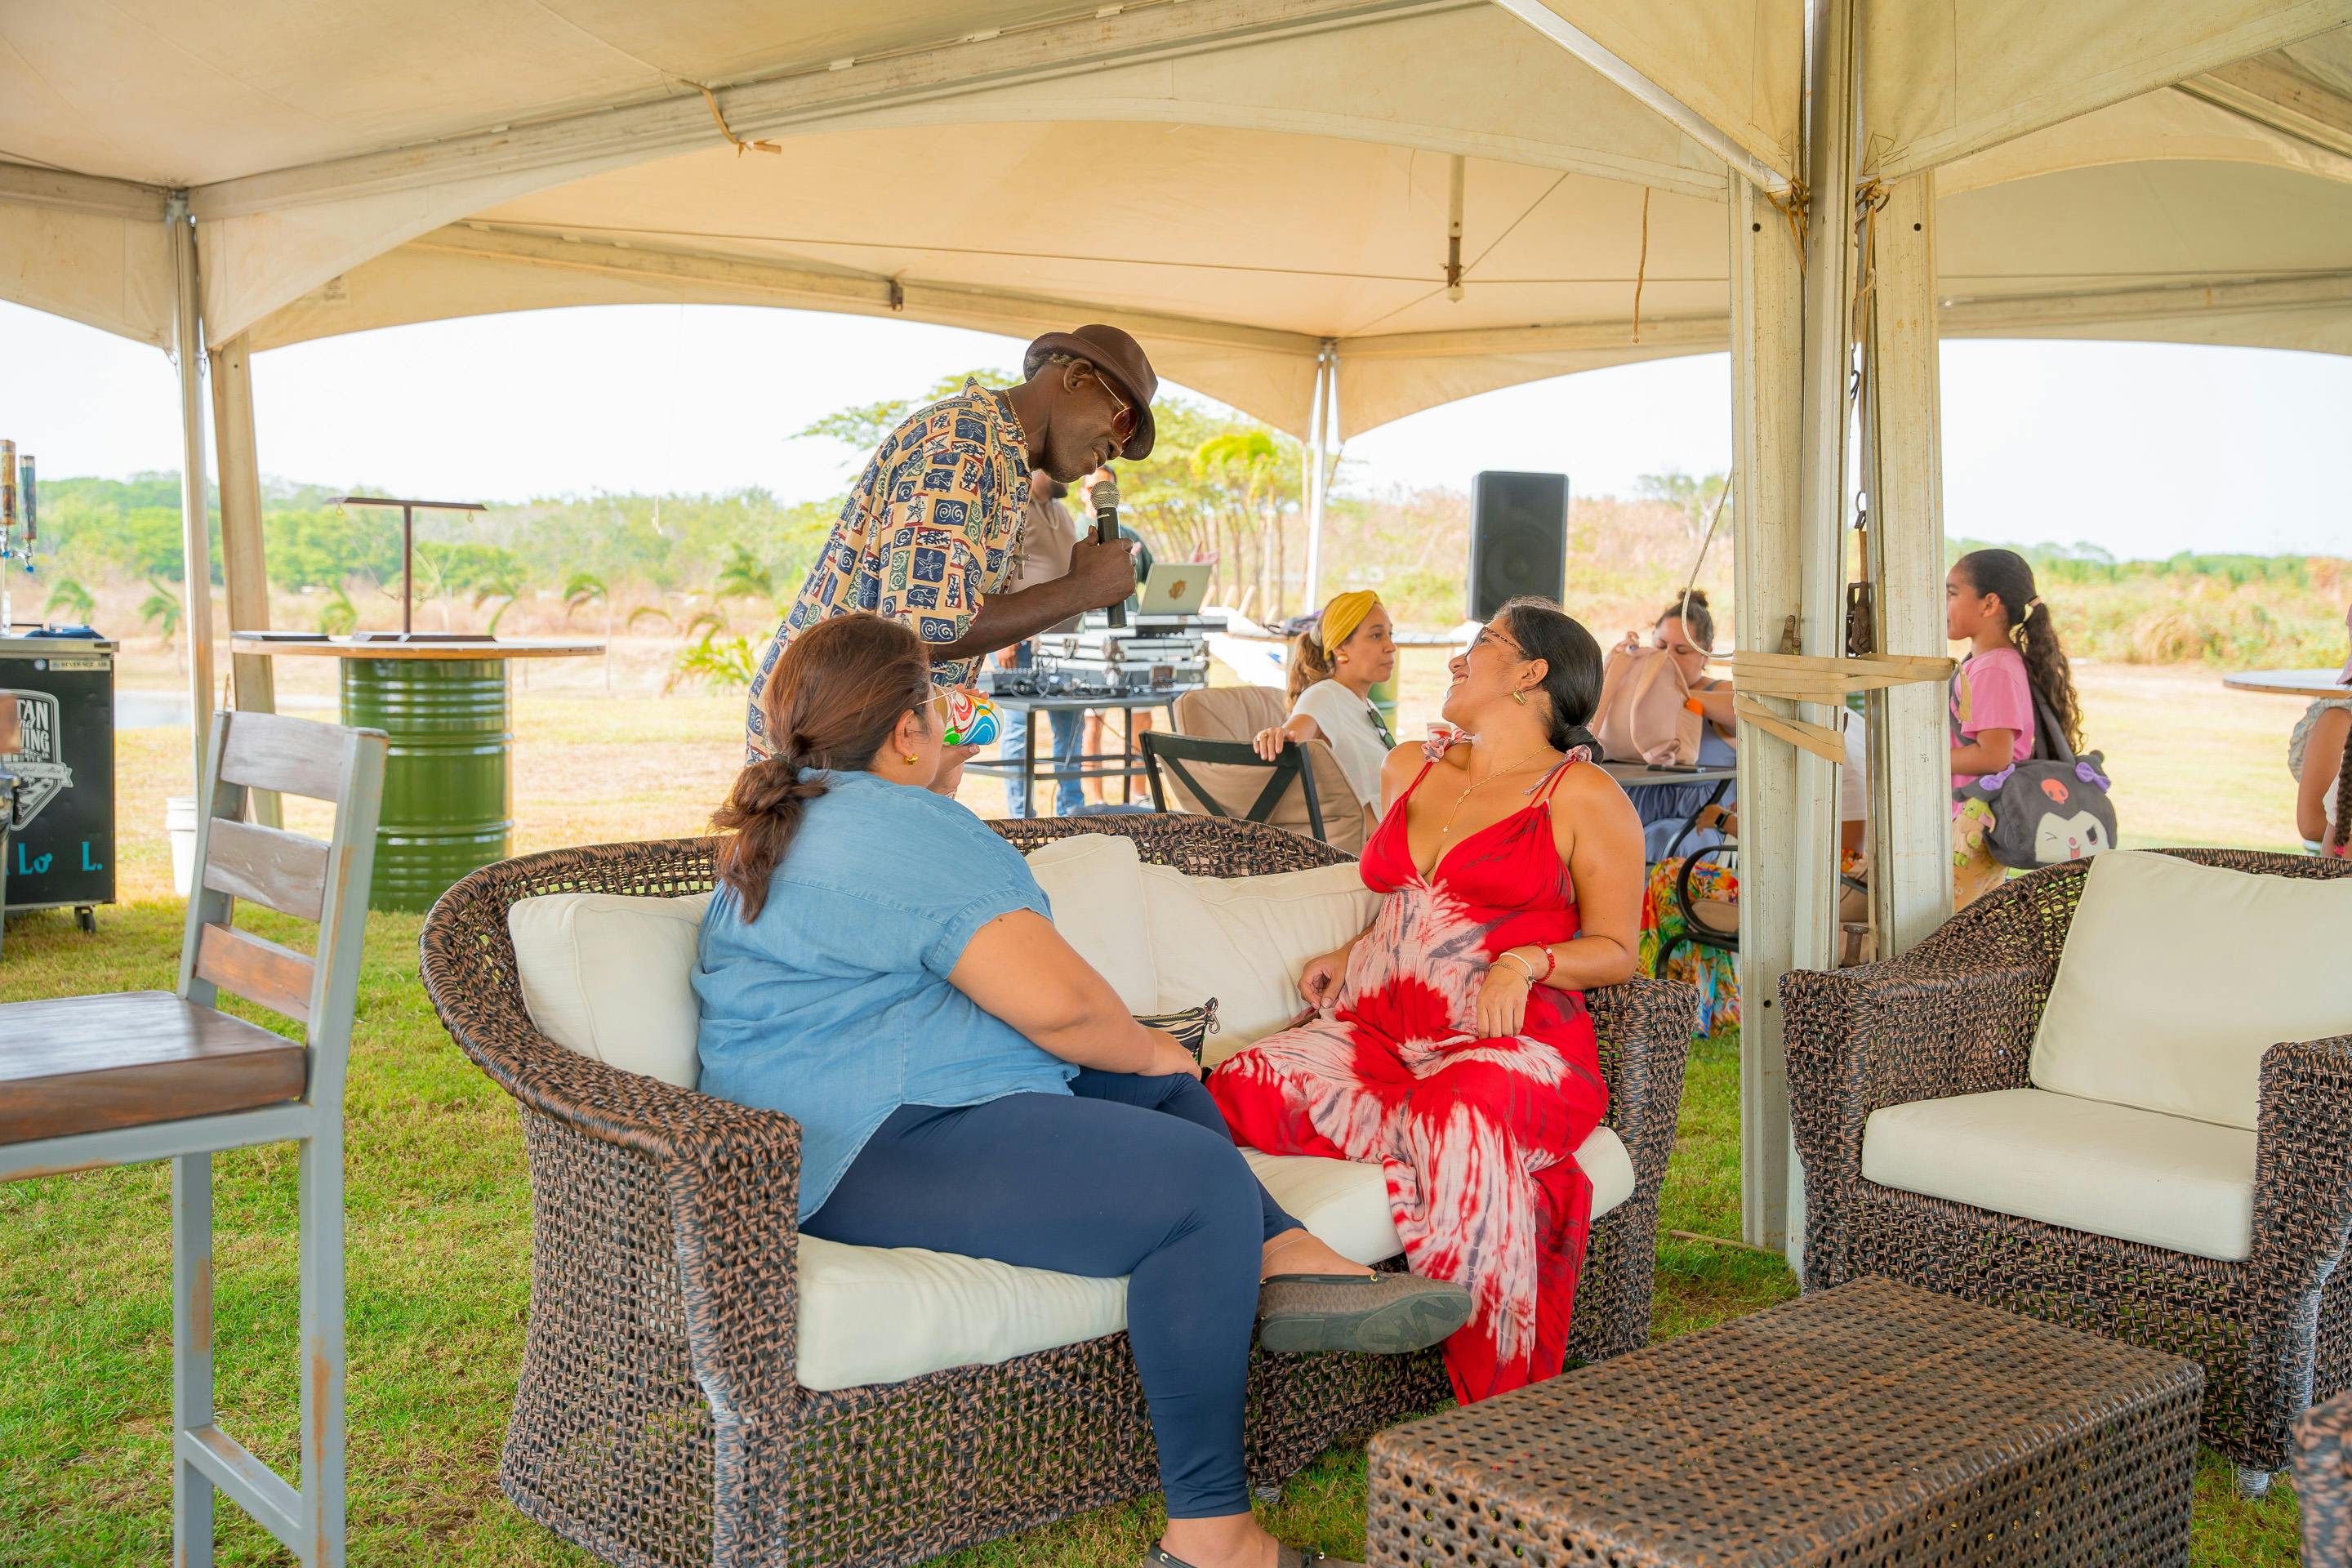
<point x="1520" y="697"/>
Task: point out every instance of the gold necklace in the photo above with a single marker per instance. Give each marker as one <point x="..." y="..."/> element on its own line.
<point x="1490" y="778"/>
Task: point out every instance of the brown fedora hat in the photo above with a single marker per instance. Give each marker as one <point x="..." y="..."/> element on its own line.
<point x="1121" y="360"/>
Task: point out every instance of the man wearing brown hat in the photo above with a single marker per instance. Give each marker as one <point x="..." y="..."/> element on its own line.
<point x="931" y="533"/>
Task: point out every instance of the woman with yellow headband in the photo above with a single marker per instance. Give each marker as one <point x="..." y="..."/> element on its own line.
<point x="1334" y="666"/>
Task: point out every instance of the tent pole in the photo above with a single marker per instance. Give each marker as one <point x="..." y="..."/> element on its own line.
<point x="188" y="351"/>
<point x="1767" y="389"/>
<point x="1320" y="433"/>
<point x="244" y="567"/>
<point x="1910" y="860"/>
<point x="1834" y="86"/>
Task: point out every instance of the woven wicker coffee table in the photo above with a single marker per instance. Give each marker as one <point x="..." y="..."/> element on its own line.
<point x="1866" y="1424"/>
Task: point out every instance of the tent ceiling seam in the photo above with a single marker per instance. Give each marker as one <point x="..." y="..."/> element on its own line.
<point x="2271" y="115"/>
<point x="642" y="132"/>
<point x="522" y="249"/>
<point x="1645" y="90"/>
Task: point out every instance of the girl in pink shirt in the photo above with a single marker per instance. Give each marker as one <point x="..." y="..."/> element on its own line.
<point x="1989" y="603"/>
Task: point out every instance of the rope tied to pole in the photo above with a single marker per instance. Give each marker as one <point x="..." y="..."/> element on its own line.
<point x="1642" y="266"/>
<point x="1806" y="678"/>
<point x="734" y="141"/>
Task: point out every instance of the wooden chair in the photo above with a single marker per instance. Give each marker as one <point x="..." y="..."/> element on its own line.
<point x="1289" y="766"/>
<point x="164" y="1074"/>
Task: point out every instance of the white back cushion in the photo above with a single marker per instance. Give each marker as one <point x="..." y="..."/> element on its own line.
<point x="2177" y="977"/>
<point x="610" y="976"/>
<point x="1244" y="941"/>
<point x="1093" y="882"/>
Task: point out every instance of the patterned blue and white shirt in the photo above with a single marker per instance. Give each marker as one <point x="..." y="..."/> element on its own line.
<point x="931" y="529"/>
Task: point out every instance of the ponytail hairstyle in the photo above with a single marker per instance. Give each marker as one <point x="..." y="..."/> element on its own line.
<point x="1315" y="653"/>
<point x="2005" y="575"/>
<point x="1571" y="682"/>
<point x="1691" y="611"/>
<point x="1308" y="662"/>
<point x="831" y="703"/>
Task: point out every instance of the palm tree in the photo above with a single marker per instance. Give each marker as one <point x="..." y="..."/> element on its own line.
<point x="744" y="577"/>
<point x="582" y="590"/>
<point x="1250" y="461"/>
<point x="338" y="617"/>
<point x="71" y="596"/>
<point x="161" y="609"/>
<point x="506" y="588"/>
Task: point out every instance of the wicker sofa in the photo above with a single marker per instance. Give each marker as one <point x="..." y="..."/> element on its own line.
<point x="1959" y="1016"/>
<point x="658" y="1418"/>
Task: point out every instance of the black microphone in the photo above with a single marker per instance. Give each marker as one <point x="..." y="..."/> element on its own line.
<point x="1104" y="497"/>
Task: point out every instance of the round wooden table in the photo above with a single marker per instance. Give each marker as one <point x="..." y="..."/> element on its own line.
<point x="2290" y="682"/>
<point x="449" y="797"/>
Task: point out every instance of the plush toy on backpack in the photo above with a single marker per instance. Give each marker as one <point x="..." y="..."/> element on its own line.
<point x="2047" y="810"/>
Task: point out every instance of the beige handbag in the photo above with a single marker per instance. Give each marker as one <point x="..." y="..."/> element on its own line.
<point x="1647" y="713"/>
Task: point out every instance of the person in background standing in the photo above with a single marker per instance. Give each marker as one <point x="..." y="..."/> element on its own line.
<point x="931" y="533"/>
<point x="1048" y="536"/>
<point x="1990" y="603"/>
<point x="1136" y="720"/>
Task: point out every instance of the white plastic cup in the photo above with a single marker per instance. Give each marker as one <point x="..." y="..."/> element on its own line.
<point x="180" y="822"/>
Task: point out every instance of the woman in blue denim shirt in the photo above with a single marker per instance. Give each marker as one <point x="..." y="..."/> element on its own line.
<point x="880" y="965"/>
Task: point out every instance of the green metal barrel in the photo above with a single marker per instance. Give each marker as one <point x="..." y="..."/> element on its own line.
<point x="448" y="804"/>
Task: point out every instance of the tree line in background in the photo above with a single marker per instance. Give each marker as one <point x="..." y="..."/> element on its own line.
<point x="713" y="572"/>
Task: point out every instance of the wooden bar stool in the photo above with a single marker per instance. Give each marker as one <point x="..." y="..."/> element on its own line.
<point x="164" y="1074"/>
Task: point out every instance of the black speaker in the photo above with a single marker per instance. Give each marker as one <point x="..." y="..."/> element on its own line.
<point x="1518" y="539"/>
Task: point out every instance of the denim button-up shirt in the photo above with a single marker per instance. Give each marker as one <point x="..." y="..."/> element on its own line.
<point x="834" y="1006"/>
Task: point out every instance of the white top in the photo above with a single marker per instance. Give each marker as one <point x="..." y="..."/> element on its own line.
<point x="1047" y="537"/>
<point x="1353" y="727"/>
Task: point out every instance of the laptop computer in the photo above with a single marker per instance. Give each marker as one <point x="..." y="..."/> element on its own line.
<point x="1174" y="588"/>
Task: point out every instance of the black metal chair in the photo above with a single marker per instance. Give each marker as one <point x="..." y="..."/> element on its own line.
<point x="1290" y="765"/>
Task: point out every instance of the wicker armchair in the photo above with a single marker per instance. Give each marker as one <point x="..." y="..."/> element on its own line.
<point x="657" y="1420"/>
<point x="1957" y="1015"/>
<point x="2323" y="1483"/>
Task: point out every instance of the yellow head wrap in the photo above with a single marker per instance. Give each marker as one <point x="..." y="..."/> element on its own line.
<point x="1342" y="615"/>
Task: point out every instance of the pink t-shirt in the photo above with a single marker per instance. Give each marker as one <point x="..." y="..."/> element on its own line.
<point x="1992" y="691"/>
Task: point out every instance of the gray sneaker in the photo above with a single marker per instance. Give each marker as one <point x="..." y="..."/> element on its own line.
<point x="1385" y="1314"/>
<point x="1288" y="1557"/>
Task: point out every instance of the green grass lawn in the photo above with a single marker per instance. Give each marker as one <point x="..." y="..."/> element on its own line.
<point x="440" y="1209"/>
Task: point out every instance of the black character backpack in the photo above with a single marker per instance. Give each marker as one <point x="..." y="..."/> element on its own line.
<point x="2046" y="810"/>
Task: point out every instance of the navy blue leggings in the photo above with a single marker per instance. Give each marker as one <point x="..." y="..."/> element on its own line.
<point x="1130" y="1175"/>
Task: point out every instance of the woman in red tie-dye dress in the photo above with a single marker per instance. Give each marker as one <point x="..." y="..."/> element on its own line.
<point x="1450" y="1041"/>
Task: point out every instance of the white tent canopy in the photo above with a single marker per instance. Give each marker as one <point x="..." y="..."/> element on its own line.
<point x="1434" y="198"/>
<point x="1236" y="181"/>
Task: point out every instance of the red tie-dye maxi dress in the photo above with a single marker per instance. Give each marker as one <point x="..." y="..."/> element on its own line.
<point x="1478" y="1137"/>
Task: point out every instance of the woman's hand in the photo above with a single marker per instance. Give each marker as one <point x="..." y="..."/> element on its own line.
<point x="1168" y="1057"/>
<point x="1319" y="982"/>
<point x="1268" y="742"/>
<point x="1503" y="1000"/>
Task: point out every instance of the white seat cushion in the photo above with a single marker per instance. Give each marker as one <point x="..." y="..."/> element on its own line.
<point x="2177" y="977"/>
<point x="2112" y="1170"/>
<point x="883" y="1314"/>
<point x="1094" y="883"/>
<point x="1244" y="941"/>
<point x="611" y="976"/>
